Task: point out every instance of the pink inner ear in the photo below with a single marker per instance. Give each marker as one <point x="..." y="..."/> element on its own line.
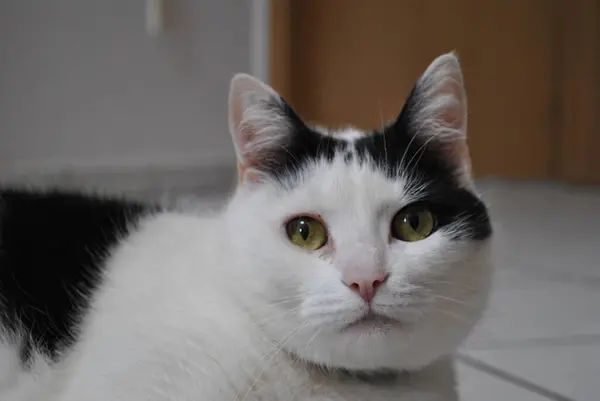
<point x="247" y="175"/>
<point x="244" y="135"/>
<point x="452" y="113"/>
<point x="237" y="111"/>
<point x="241" y="138"/>
<point x="241" y="171"/>
<point x="445" y="110"/>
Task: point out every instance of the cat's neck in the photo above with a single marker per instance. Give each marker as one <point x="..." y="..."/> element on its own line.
<point x="381" y="376"/>
<point x="335" y="383"/>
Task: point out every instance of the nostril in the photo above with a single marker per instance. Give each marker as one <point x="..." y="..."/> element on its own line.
<point x="355" y="286"/>
<point x="379" y="281"/>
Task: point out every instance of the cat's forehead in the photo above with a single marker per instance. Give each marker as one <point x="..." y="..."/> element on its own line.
<point x="352" y="185"/>
<point x="351" y="169"/>
<point x="347" y="138"/>
<point x="353" y="157"/>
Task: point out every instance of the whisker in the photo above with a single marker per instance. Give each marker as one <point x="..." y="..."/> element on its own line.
<point x="275" y="316"/>
<point x="450" y="283"/>
<point x="453" y="315"/>
<point x="385" y="151"/>
<point x="278" y="347"/>
<point x="407" y="148"/>
<point x="317" y="332"/>
<point x="421" y="150"/>
<point x="449" y="299"/>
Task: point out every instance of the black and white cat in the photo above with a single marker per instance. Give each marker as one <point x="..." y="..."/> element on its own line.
<point x="347" y="265"/>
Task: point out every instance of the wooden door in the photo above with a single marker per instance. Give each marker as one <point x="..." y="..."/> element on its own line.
<point x="353" y="62"/>
<point x="578" y="150"/>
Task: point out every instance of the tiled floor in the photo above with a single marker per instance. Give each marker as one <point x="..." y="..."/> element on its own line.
<point x="540" y="339"/>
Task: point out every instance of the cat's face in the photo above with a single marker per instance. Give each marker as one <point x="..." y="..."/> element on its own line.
<point x="370" y="249"/>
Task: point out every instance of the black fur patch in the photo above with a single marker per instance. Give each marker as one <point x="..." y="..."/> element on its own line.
<point x="394" y="149"/>
<point x="52" y="250"/>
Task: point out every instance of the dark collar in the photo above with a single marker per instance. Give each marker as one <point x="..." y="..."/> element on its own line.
<point x="374" y="376"/>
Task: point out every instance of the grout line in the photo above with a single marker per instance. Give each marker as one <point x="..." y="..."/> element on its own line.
<point x="569" y="340"/>
<point x="510" y="378"/>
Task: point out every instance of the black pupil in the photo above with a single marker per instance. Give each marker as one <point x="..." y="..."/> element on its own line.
<point x="413" y="220"/>
<point x="303" y="229"/>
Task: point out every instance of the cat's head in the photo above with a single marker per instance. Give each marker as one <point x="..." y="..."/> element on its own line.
<point x="364" y="250"/>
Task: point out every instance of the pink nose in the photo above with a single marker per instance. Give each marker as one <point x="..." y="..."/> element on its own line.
<point x="366" y="288"/>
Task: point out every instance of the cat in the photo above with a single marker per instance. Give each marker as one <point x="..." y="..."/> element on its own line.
<point x="346" y="265"/>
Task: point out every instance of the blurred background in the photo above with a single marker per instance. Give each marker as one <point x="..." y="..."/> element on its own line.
<point x="130" y="96"/>
<point x="531" y="69"/>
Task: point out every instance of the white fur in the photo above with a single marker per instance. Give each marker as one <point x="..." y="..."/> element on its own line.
<point x="434" y="283"/>
<point x="349" y="134"/>
<point x="210" y="307"/>
<point x="202" y="306"/>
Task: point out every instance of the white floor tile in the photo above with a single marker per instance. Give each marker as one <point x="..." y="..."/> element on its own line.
<point x="547" y="226"/>
<point x="478" y="386"/>
<point x="572" y="371"/>
<point x="524" y="307"/>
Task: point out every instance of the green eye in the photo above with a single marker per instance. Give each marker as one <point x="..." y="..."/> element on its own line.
<point x="306" y="232"/>
<point x="413" y="223"/>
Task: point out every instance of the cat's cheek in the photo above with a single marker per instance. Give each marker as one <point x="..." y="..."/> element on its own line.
<point x="326" y="300"/>
<point x="432" y="252"/>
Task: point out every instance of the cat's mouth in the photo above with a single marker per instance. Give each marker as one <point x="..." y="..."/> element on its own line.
<point x="371" y="320"/>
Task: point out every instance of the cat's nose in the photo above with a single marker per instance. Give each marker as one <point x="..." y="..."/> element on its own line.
<point x="366" y="287"/>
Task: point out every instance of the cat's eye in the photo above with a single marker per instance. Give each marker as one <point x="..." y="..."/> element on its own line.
<point x="413" y="223"/>
<point x="306" y="232"/>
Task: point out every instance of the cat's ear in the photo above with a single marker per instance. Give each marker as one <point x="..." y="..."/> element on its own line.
<point x="436" y="111"/>
<point x="261" y="124"/>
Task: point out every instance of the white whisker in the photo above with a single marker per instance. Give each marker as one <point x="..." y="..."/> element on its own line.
<point x="277" y="348"/>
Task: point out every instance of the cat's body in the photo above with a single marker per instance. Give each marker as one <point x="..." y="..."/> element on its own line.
<point x="112" y="300"/>
<point x="140" y="327"/>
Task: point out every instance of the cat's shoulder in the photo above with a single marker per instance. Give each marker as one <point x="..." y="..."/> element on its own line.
<point x="53" y="249"/>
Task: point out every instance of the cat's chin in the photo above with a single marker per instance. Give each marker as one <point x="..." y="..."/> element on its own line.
<point x="374" y="342"/>
<point x="370" y="343"/>
<point x="372" y="323"/>
<point x="371" y="320"/>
